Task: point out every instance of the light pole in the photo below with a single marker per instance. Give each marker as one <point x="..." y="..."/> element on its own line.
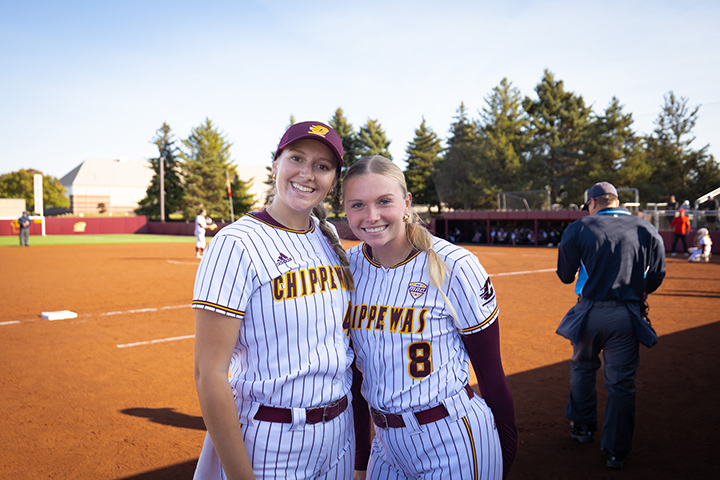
<point x="162" y="188"/>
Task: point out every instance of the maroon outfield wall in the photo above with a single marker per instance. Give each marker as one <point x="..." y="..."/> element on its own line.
<point x="486" y="219"/>
<point x="79" y="225"/>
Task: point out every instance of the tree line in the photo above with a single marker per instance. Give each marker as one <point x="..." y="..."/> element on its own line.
<point x="554" y="143"/>
<point x="557" y="143"/>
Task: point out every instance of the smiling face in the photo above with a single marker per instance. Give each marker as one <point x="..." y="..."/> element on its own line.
<point x="375" y="205"/>
<point x="304" y="173"/>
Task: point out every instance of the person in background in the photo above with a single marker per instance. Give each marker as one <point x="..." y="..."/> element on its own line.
<point x="672" y="203"/>
<point x="680" y="226"/>
<point x="201" y="225"/>
<point x="24" y="223"/>
<point x="711" y="207"/>
<point x="703" y="247"/>
<point x="617" y="260"/>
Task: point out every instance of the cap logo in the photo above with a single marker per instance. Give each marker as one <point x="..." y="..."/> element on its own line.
<point x="318" y="130"/>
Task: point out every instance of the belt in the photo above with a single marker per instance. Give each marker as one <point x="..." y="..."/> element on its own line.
<point x="608" y="303"/>
<point x="393" y="420"/>
<point x="312" y="415"/>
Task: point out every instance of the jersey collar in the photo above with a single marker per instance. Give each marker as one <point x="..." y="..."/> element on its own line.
<point x="614" y="211"/>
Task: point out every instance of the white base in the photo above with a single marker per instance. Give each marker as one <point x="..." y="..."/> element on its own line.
<point x="60" y="315"/>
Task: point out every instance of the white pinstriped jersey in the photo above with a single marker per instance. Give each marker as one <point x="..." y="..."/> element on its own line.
<point x="287" y="287"/>
<point x="408" y="346"/>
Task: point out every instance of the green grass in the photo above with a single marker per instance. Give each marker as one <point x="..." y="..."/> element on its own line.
<point x="37" y="240"/>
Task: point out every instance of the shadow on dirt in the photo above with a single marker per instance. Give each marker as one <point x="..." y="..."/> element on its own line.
<point x="676" y="418"/>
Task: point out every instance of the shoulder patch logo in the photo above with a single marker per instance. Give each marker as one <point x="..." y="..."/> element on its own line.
<point x="282" y="259"/>
<point x="318" y="130"/>
<point x="417" y="289"/>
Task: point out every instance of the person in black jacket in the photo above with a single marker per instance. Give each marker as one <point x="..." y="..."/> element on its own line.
<point x="619" y="259"/>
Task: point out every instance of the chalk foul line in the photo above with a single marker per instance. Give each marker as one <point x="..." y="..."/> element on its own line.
<point x="143" y="310"/>
<point x="545" y="270"/>
<point x="160" y="340"/>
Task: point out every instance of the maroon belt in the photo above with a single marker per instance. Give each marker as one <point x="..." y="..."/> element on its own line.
<point x="393" y="420"/>
<point x="312" y="415"/>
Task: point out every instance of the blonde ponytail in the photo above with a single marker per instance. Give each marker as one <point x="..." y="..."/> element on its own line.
<point x="421" y="239"/>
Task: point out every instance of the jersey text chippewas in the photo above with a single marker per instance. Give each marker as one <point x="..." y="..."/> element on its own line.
<point x="378" y="317"/>
<point x="300" y="283"/>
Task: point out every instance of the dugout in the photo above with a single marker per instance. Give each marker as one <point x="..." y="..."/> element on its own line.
<point x="535" y="227"/>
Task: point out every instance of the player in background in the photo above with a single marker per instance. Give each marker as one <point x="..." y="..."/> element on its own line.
<point x="270" y="296"/>
<point x="201" y="225"/>
<point x="702" y="251"/>
<point x="619" y="259"/>
<point x="422" y="307"/>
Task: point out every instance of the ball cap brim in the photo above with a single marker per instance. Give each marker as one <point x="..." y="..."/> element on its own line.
<point x="600" y="188"/>
<point x="315" y="131"/>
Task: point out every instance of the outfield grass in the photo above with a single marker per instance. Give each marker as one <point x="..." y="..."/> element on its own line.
<point x="38" y="240"/>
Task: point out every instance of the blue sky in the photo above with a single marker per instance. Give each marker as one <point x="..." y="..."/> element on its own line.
<point x="96" y="79"/>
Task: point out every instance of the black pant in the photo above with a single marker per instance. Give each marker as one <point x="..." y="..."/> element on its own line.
<point x="675" y="240"/>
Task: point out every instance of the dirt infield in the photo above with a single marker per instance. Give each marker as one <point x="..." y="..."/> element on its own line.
<point x="110" y="394"/>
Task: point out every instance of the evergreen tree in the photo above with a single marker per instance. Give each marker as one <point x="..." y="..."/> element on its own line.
<point x="677" y="168"/>
<point x="615" y="153"/>
<point x="456" y="180"/>
<point x="345" y="131"/>
<point x="207" y="159"/>
<point x="21" y="184"/>
<point x="372" y="140"/>
<point x="558" y="124"/>
<point x="150" y="205"/>
<point x="423" y="152"/>
<point x="502" y="143"/>
<point x="242" y="199"/>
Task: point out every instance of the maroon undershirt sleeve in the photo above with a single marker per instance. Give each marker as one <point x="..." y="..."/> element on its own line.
<point x="362" y="422"/>
<point x="483" y="348"/>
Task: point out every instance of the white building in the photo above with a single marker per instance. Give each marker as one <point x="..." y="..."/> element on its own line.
<point x="112" y="186"/>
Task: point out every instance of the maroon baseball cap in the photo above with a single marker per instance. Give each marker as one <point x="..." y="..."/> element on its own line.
<point x="315" y="131"/>
<point x="600" y="188"/>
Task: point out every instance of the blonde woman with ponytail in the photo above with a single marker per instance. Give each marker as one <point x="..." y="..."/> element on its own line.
<point x="272" y="361"/>
<point x="423" y="310"/>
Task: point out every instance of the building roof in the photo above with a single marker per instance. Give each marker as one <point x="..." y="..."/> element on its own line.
<point x="109" y="173"/>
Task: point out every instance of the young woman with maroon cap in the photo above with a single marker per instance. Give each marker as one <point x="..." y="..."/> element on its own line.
<point x="272" y="362"/>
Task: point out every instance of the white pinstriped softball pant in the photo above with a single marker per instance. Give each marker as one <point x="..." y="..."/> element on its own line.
<point x="465" y="448"/>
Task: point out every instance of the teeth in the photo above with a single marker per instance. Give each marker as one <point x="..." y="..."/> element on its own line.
<point x="301" y="188"/>
<point x="375" y="229"/>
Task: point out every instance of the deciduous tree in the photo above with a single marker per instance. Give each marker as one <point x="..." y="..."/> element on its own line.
<point x="20" y="185"/>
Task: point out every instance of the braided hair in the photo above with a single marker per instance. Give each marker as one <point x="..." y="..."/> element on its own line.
<point x="321" y="213"/>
